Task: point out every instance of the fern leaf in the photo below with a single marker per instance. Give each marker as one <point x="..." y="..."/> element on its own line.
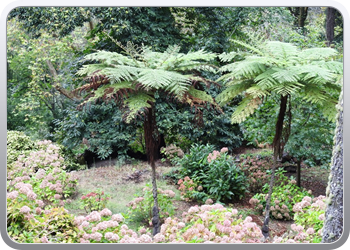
<point x="137" y="103"/>
<point x="245" y="108"/>
<point x="317" y="54"/>
<point x="232" y="91"/>
<point x="161" y="79"/>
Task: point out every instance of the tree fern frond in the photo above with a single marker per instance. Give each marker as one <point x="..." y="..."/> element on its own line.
<point x="333" y="66"/>
<point x="110" y="58"/>
<point x="249" y="47"/>
<point x="137" y="103"/>
<point x="121" y="73"/>
<point x="265" y="79"/>
<point x="161" y="79"/>
<point x="287" y="88"/>
<point x="245" y="108"/>
<point x="282" y="75"/>
<point x="257" y="91"/>
<point x="90" y="69"/>
<point x="317" y="54"/>
<point x="314" y="94"/>
<point x="284" y="51"/>
<point x="232" y="91"/>
<point x="227" y="57"/>
<point x="245" y="69"/>
<point x="315" y="74"/>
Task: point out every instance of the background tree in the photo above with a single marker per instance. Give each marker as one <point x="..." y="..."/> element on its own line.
<point x="333" y="224"/>
<point x="135" y="81"/>
<point x="281" y="69"/>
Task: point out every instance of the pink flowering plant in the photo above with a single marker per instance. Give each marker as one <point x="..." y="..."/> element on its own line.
<point x="191" y="190"/>
<point x="209" y="224"/>
<point x="141" y="206"/>
<point x="284" y="196"/>
<point x="94" y="201"/>
<point x="257" y="171"/>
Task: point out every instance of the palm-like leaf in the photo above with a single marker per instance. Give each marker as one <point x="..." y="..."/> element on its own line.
<point x="276" y="67"/>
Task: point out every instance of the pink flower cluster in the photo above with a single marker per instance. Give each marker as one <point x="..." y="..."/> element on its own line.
<point x="216" y="154"/>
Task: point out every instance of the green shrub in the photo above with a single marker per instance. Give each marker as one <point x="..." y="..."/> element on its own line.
<point x="142" y="205"/>
<point x="284" y="196"/>
<point x="18" y="144"/>
<point x="215" y="171"/>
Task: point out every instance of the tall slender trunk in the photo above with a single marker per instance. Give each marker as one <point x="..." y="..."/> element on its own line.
<point x="330" y="23"/>
<point x="299" y="173"/>
<point x="151" y="141"/>
<point x="277" y="153"/>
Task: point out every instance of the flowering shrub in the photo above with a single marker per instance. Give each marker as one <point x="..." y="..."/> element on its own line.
<point x="308" y="217"/>
<point x="215" y="172"/>
<point x="257" y="171"/>
<point x="209" y="224"/>
<point x="284" y="196"/>
<point x="223" y="180"/>
<point x="37" y="182"/>
<point x="17" y="144"/>
<point x="141" y="206"/>
<point x="191" y="191"/>
<point x="94" y="201"/>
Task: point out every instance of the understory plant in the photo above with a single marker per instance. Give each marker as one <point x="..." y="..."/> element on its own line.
<point x="309" y="217"/>
<point x="141" y="206"/>
<point x="94" y="201"/>
<point x="284" y="196"/>
<point x="215" y="171"/>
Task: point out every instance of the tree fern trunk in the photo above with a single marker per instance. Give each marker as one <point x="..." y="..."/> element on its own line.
<point x="151" y="150"/>
<point x="277" y="153"/>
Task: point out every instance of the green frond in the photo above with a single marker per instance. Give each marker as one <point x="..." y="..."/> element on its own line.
<point x="121" y="73"/>
<point x="156" y="79"/>
<point x="110" y="58"/>
<point x="137" y="103"/>
<point x="287" y="88"/>
<point x="282" y="75"/>
<point x="227" y="57"/>
<point x="284" y="51"/>
<point x="314" y="94"/>
<point x="315" y="74"/>
<point x="232" y="91"/>
<point x="333" y="66"/>
<point x="245" y="108"/>
<point x="257" y="91"/>
<point x="249" y="47"/>
<point x="198" y="96"/>
<point x="90" y="69"/>
<point x="265" y="79"/>
<point x="317" y="54"/>
<point x="244" y="69"/>
<point x="107" y="91"/>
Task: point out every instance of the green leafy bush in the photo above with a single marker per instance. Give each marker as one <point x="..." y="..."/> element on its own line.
<point x="191" y="191"/>
<point x="309" y="218"/>
<point x="18" y="144"/>
<point x="215" y="171"/>
<point x="284" y="196"/>
<point x="141" y="207"/>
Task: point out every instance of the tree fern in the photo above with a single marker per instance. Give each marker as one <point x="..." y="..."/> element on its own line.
<point x="133" y="80"/>
<point x="281" y="68"/>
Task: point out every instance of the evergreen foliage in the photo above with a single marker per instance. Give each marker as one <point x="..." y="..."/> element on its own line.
<point x="276" y="67"/>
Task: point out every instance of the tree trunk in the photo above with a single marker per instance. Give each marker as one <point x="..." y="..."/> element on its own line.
<point x="151" y="141"/>
<point x="277" y="153"/>
<point x="330" y="23"/>
<point x="299" y="173"/>
<point x="333" y="224"/>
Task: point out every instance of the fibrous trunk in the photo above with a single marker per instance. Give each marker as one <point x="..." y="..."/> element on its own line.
<point x="151" y="140"/>
<point x="277" y="153"/>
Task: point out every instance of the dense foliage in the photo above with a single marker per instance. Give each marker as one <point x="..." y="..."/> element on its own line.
<point x="155" y="78"/>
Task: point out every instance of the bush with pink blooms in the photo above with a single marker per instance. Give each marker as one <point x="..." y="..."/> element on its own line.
<point x="215" y="171"/>
<point x="308" y="218"/>
<point x="284" y="196"/>
<point x="141" y="207"/>
<point x="37" y="181"/>
<point x="94" y="201"/>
